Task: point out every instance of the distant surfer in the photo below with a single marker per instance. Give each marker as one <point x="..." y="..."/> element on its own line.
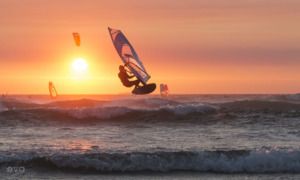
<point x="124" y="77"/>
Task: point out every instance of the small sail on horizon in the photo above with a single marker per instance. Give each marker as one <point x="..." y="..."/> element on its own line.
<point x="164" y="90"/>
<point x="52" y="90"/>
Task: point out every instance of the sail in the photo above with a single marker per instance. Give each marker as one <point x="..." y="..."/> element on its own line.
<point x="76" y="37"/>
<point x="128" y="55"/>
<point x="161" y="88"/>
<point x="164" y="90"/>
<point x="52" y="90"/>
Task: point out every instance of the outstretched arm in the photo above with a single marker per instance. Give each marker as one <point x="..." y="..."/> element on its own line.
<point x="129" y="77"/>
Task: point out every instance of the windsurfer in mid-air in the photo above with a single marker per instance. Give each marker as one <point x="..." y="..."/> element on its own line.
<point x="124" y="77"/>
<point x="133" y="66"/>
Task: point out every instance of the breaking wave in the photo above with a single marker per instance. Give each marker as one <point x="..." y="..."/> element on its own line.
<point x="152" y="109"/>
<point x="234" y="161"/>
<point x="91" y="114"/>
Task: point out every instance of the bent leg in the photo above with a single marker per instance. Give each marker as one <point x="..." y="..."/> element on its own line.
<point x="132" y="83"/>
<point x="136" y="83"/>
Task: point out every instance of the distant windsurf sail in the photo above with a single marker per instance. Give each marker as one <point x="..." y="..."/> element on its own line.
<point x="128" y="55"/>
<point x="52" y="90"/>
<point x="76" y="37"/>
<point x="164" y="90"/>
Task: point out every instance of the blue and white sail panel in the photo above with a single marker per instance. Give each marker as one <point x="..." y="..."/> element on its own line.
<point x="128" y="55"/>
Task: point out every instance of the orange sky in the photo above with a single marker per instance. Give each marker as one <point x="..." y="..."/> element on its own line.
<point x="195" y="46"/>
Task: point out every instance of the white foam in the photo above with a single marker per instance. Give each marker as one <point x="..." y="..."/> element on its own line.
<point x="116" y="111"/>
<point x="147" y="103"/>
<point x="184" y="109"/>
<point x="102" y="112"/>
<point x="257" y="161"/>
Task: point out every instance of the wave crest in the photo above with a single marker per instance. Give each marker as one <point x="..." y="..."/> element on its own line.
<point x="114" y="112"/>
<point x="235" y="161"/>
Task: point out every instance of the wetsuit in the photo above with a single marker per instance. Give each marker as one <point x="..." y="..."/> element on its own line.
<point x="124" y="77"/>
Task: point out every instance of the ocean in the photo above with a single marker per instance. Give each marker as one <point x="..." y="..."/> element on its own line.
<point x="150" y="137"/>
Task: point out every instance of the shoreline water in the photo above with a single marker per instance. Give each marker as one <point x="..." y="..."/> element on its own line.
<point x="234" y="136"/>
<point x="148" y="176"/>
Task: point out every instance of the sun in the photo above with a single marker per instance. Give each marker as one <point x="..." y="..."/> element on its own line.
<point x="79" y="66"/>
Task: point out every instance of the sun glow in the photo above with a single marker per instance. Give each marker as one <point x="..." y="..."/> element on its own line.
<point x="79" y="66"/>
